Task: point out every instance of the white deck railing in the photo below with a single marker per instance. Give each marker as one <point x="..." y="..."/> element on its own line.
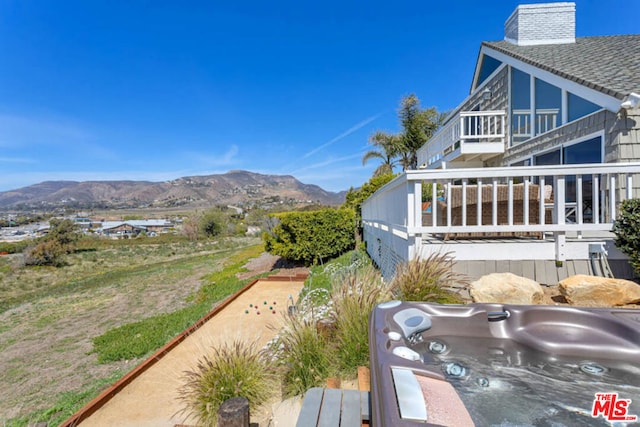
<point x="465" y="127"/>
<point x="545" y="119"/>
<point x="550" y="200"/>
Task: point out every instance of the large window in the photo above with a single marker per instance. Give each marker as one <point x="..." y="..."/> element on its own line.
<point x="547" y="102"/>
<point x="589" y="151"/>
<point x="520" y="106"/>
<point x="489" y="65"/>
<point x="548" y="107"/>
<point x="580" y="107"/>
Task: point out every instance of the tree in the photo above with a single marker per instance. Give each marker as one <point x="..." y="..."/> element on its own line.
<point x="389" y="148"/>
<point x="64" y="232"/>
<point x="191" y="227"/>
<point x="418" y="126"/>
<point x="213" y="223"/>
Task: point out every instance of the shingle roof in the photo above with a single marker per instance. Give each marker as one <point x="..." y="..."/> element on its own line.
<point x="609" y="64"/>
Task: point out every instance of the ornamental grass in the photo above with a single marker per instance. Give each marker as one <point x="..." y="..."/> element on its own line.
<point x="353" y="299"/>
<point x="301" y="352"/>
<point x="430" y="279"/>
<point x="231" y="370"/>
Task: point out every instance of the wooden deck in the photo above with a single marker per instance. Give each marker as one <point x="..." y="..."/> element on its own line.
<point x="333" y="407"/>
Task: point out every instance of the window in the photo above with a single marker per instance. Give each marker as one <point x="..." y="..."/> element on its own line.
<point x="520" y="106"/>
<point x="580" y="107"/>
<point x="548" y="107"/>
<point x="550" y="158"/>
<point x="525" y="162"/>
<point x="589" y="151"/>
<point x="488" y="66"/>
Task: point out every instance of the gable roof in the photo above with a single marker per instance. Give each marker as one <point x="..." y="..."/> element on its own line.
<point x="608" y="64"/>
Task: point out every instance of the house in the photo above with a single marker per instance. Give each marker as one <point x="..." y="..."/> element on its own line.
<point x="133" y="228"/>
<point x="533" y="164"/>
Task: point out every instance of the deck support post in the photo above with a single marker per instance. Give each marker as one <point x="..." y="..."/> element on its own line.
<point x="560" y="213"/>
<point x="414" y="218"/>
<point x="234" y="412"/>
<point x="561" y="241"/>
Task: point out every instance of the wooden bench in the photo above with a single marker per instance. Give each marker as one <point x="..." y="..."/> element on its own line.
<point x="332" y="407"/>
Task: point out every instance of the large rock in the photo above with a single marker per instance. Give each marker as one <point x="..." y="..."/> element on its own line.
<point x="595" y="291"/>
<point x="506" y="288"/>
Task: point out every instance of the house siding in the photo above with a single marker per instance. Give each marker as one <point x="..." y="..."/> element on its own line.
<point x="498" y="86"/>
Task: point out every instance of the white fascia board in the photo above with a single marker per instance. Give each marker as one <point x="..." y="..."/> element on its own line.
<point x="482" y="148"/>
<point x="606" y="101"/>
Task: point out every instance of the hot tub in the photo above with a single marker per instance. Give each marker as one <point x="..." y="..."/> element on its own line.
<point x="503" y="365"/>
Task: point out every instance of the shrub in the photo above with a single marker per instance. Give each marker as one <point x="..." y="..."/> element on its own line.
<point x="48" y="252"/>
<point x="311" y="237"/>
<point x="232" y="370"/>
<point x="427" y="280"/>
<point x="627" y="230"/>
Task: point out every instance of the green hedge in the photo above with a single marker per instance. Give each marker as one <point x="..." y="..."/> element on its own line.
<point x="311" y="237"/>
<point x="627" y="230"/>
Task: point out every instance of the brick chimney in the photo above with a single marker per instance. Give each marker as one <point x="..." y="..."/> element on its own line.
<point x="542" y="23"/>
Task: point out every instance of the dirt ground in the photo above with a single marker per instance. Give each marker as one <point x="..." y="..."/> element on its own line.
<point x="267" y="262"/>
<point x="152" y="398"/>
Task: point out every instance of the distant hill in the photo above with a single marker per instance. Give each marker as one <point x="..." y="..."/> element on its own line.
<point x="241" y="188"/>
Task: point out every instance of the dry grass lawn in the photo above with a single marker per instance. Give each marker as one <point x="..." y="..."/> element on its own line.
<point x="45" y="340"/>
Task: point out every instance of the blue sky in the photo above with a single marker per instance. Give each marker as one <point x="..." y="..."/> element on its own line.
<point x="156" y="90"/>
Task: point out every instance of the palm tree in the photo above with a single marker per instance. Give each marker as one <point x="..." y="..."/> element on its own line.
<point x="389" y="146"/>
<point x="418" y="126"/>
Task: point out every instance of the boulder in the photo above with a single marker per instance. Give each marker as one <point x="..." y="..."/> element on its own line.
<point x="593" y="291"/>
<point x="506" y="288"/>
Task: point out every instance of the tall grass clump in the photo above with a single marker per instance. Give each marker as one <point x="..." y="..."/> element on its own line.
<point x="301" y="352"/>
<point x="428" y="279"/>
<point x="231" y="370"/>
<point x="353" y="299"/>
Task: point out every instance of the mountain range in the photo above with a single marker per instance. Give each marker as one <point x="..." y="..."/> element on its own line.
<point x="238" y="188"/>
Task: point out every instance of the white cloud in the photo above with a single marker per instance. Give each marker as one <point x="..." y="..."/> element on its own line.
<point x="344" y="134"/>
<point x="327" y="162"/>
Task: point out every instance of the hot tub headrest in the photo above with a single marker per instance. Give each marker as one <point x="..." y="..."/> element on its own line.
<point x="412" y="320"/>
